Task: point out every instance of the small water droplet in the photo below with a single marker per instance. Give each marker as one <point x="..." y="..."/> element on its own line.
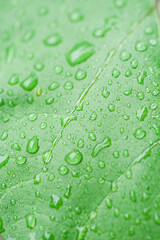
<point x="3" y="160"/>
<point x="141" y="47"/>
<point x="124" y="55"/>
<point x="53" y="86"/>
<point x="53" y="40"/>
<point x="14" y="79"/>
<point x="80" y="74"/>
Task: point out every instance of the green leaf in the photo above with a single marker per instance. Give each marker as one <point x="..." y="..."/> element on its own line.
<point x="79" y="120"/>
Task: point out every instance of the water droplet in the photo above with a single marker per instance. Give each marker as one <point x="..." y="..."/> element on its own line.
<point x="1" y="101"/>
<point x="16" y="146"/>
<point x="124" y="55"/>
<point x="142" y="75"/>
<point x="105" y="92"/>
<point x="111" y="107"/>
<point x="80" y="143"/>
<point x="14" y="79"/>
<point x="67" y="193"/>
<point x="63" y="170"/>
<point x="92" y="136"/>
<point x="100" y="32"/>
<point x="134" y="63"/>
<point x="108" y="203"/>
<point x="3" y="160"/>
<point x="93" y="116"/>
<point x="157" y="218"/>
<point x="142" y="113"/>
<point x="48" y="236"/>
<point x="28" y="35"/>
<point x="105" y="143"/>
<point x="4" y="135"/>
<point x="47" y="157"/>
<point x="53" y="86"/>
<point x="21" y="160"/>
<point x="140" y="95"/>
<point x="80" y="53"/>
<point x="39" y="66"/>
<point x="30" y="82"/>
<point x="141" y="47"/>
<point x="133" y="196"/>
<point x="80" y="74"/>
<point x="31" y="221"/>
<point x="49" y="100"/>
<point x="139" y="133"/>
<point x="32" y="117"/>
<point x="53" y="40"/>
<point x="68" y="85"/>
<point x="129" y="174"/>
<point x="74" y="157"/>
<point x="101" y="164"/>
<point x="37" y="179"/>
<point x="115" y="73"/>
<point x="56" y="202"/>
<point x="75" y="16"/>
<point x="58" y="69"/>
<point x="32" y="145"/>
<point x="1" y="226"/>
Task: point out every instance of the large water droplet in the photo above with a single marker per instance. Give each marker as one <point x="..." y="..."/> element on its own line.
<point x="3" y="160"/>
<point x="142" y="113"/>
<point x="21" y="160"/>
<point x="31" y="221"/>
<point x="139" y="133"/>
<point x="74" y="157"/>
<point x="106" y="143"/>
<point x="30" y="82"/>
<point x="80" y="53"/>
<point x="56" y="202"/>
<point x="32" y="145"/>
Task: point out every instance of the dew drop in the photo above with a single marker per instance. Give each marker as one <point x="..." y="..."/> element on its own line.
<point x="80" y="74"/>
<point x="14" y="79"/>
<point x="32" y="145"/>
<point x="31" y="221"/>
<point x="21" y="160"/>
<point x="139" y="133"/>
<point x="141" y="47"/>
<point x="63" y="170"/>
<point x="53" y="40"/>
<point x="47" y="157"/>
<point x="3" y="160"/>
<point x="142" y="113"/>
<point x="30" y="82"/>
<point x="53" y="86"/>
<point x="105" y="143"/>
<point x="74" y="157"/>
<point x="80" y="53"/>
<point x="124" y="55"/>
<point x="56" y="202"/>
<point x="75" y="16"/>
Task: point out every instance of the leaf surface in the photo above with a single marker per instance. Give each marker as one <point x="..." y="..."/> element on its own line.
<point x="80" y="120"/>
